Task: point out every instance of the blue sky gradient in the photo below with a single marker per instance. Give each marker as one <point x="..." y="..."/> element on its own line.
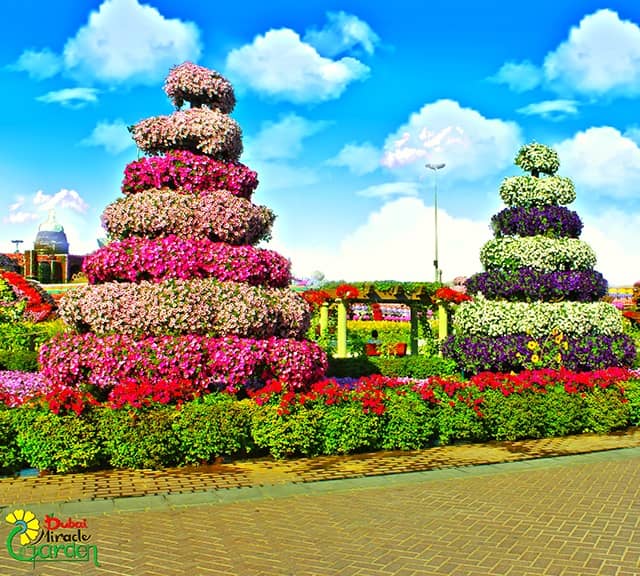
<point x="341" y="104"/>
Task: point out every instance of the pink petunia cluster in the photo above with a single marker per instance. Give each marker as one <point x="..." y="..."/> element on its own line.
<point x="199" y="130"/>
<point x="220" y="217"/>
<point x="228" y="363"/>
<point x="199" y="86"/>
<point x="136" y="259"/>
<point x="195" y="306"/>
<point x="188" y="172"/>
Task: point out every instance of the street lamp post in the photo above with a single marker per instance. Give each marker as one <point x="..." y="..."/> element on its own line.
<point x="435" y="168"/>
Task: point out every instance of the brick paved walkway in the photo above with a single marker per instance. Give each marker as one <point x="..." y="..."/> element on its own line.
<point x="566" y="516"/>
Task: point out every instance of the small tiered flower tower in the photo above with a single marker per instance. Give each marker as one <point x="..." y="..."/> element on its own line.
<point x="539" y="302"/>
<point x="181" y="292"/>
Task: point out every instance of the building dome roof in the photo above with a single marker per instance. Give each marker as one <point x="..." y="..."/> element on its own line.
<point x="51" y="237"/>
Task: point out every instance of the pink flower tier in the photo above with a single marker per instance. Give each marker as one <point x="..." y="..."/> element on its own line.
<point x="181" y="290"/>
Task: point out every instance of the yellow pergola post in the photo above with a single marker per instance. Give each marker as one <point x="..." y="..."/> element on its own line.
<point x="324" y="319"/>
<point x="341" y="350"/>
<point x="443" y="322"/>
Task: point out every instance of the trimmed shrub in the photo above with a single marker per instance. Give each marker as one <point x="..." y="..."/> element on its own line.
<point x="140" y="438"/>
<point x="57" y="442"/>
<point x="288" y="434"/>
<point x="214" y="425"/>
<point x="409" y="422"/>
<point x="11" y="459"/>
<point x="347" y="428"/>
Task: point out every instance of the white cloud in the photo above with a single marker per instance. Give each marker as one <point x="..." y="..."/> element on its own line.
<point x="471" y="145"/>
<point x="601" y="56"/>
<point x="396" y="242"/>
<point x="126" y="40"/>
<point x="359" y="159"/>
<point x="602" y="161"/>
<point x="70" y="97"/>
<point x="123" y="41"/>
<point x="519" y="76"/>
<point x="280" y="65"/>
<point x="20" y="217"/>
<point x="113" y="136"/>
<point x="633" y="133"/>
<point x="614" y="236"/>
<point x="551" y="109"/>
<point x="39" y="64"/>
<point x="343" y="32"/>
<point x="62" y="199"/>
<point x="390" y="189"/>
<point x="282" y="139"/>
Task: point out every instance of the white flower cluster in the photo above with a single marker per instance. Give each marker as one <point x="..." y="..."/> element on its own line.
<point x="199" y="130"/>
<point x="178" y="307"/>
<point x="529" y="191"/>
<point x="219" y="216"/>
<point x="537" y="252"/>
<point x="537" y="158"/>
<point x="483" y="317"/>
<point x="199" y="86"/>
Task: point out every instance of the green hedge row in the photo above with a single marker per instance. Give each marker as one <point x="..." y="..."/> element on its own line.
<point x="394" y="366"/>
<point x="219" y="425"/>
<point x="20" y="341"/>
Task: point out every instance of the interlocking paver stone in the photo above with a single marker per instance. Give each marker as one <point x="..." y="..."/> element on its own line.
<point x="556" y="516"/>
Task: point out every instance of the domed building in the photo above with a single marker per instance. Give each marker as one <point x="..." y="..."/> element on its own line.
<point x="49" y="261"/>
<point x="51" y="238"/>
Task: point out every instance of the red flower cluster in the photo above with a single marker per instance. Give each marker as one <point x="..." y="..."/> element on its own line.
<point x="145" y="391"/>
<point x="347" y="291"/>
<point x="37" y="309"/>
<point x="447" y="295"/>
<point x="316" y="297"/>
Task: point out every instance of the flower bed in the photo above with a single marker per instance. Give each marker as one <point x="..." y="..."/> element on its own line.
<point x="198" y="306"/>
<point x="136" y="259"/>
<point x="328" y="417"/>
<point x="187" y="172"/>
<point x="220" y="217"/>
<point x="230" y="362"/>
<point x="539" y="319"/>
<point x="198" y="130"/>
<point x="551" y="221"/>
<point x="199" y="86"/>
<point x="517" y="351"/>
<point x="538" y="252"/>
<point x="529" y="191"/>
<point x="527" y="285"/>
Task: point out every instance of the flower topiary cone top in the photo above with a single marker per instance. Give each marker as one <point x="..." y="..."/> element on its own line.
<point x="539" y="302"/>
<point x="181" y="291"/>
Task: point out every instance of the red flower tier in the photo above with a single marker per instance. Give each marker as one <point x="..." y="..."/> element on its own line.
<point x="181" y="291"/>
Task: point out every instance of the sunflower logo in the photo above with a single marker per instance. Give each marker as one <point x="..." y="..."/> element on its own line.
<point x="28" y="523"/>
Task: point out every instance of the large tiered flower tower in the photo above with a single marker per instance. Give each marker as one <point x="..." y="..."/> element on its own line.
<point x="539" y="302"/>
<point x="181" y="292"/>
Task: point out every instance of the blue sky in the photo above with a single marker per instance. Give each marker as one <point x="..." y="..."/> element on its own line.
<point x="342" y="103"/>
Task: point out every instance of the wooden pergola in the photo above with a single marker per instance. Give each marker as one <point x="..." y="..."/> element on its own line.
<point x="414" y="300"/>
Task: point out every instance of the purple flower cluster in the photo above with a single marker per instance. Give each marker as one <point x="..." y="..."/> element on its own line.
<point x="188" y="172"/>
<point x="136" y="259"/>
<point x="230" y="362"/>
<point x="510" y="353"/>
<point x="16" y="387"/>
<point x="528" y="284"/>
<point x="552" y="221"/>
